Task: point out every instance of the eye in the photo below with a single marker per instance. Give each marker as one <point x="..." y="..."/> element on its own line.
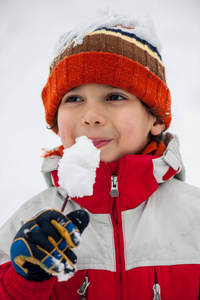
<point x="115" y="97"/>
<point x="72" y="99"/>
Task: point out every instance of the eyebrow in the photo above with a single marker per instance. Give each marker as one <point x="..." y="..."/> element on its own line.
<point x="75" y="88"/>
<point x="79" y="87"/>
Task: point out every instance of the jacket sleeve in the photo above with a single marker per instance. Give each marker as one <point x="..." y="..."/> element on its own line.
<point x="14" y="286"/>
<point x="47" y="198"/>
<point x="7" y="233"/>
<point x="13" y="224"/>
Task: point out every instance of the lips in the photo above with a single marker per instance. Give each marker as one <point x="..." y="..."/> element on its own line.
<point x="100" y="142"/>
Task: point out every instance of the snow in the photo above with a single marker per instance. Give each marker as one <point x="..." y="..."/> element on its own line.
<point x="61" y="221"/>
<point x="28" y="33"/>
<point x="76" y="238"/>
<point x="143" y="27"/>
<point x="61" y="270"/>
<point x="64" y="271"/>
<point x="58" y="265"/>
<point x="77" y="168"/>
<point x="26" y="230"/>
<point x="66" y="276"/>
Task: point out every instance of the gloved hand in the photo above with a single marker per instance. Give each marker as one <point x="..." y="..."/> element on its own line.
<point x="43" y="246"/>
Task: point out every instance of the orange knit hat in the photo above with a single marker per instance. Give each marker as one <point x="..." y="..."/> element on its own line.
<point x="118" y="51"/>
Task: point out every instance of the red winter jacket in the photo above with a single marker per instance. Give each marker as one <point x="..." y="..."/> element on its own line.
<point x="146" y="236"/>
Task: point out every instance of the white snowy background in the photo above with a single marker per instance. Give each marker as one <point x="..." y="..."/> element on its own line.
<point x="29" y="30"/>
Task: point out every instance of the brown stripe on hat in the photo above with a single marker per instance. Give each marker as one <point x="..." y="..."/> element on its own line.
<point x="111" y="43"/>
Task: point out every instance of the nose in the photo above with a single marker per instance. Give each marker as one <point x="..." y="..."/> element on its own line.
<point x="93" y="116"/>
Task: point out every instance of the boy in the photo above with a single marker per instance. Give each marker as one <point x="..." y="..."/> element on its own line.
<point x="142" y="240"/>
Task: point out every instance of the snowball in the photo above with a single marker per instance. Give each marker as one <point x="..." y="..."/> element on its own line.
<point x="77" y="168"/>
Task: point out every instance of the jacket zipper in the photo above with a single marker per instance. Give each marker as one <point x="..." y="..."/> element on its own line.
<point x="83" y="289"/>
<point x="114" y="186"/>
<point x="114" y="193"/>
<point x="156" y="290"/>
<point x="156" y="287"/>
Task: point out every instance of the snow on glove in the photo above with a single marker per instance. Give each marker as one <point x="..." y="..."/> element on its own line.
<point x="43" y="246"/>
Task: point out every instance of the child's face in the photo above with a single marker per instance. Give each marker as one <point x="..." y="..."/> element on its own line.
<point x="115" y="120"/>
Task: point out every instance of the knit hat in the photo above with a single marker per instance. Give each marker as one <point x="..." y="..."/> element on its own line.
<point x="119" y="51"/>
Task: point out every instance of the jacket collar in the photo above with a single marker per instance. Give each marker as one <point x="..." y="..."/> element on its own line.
<point x="138" y="176"/>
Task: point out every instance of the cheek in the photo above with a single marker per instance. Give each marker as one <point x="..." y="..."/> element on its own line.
<point x="64" y="120"/>
<point x="62" y="126"/>
<point x="127" y="127"/>
<point x="133" y="130"/>
<point x="65" y="130"/>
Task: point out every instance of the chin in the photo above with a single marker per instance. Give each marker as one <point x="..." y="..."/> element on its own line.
<point x="108" y="159"/>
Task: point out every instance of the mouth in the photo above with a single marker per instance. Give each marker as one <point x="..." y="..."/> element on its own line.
<point x="100" y="142"/>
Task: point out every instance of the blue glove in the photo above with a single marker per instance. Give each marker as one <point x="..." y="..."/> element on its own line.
<point x="43" y="246"/>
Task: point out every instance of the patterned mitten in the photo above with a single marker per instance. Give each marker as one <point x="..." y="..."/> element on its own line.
<point x="43" y="246"/>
